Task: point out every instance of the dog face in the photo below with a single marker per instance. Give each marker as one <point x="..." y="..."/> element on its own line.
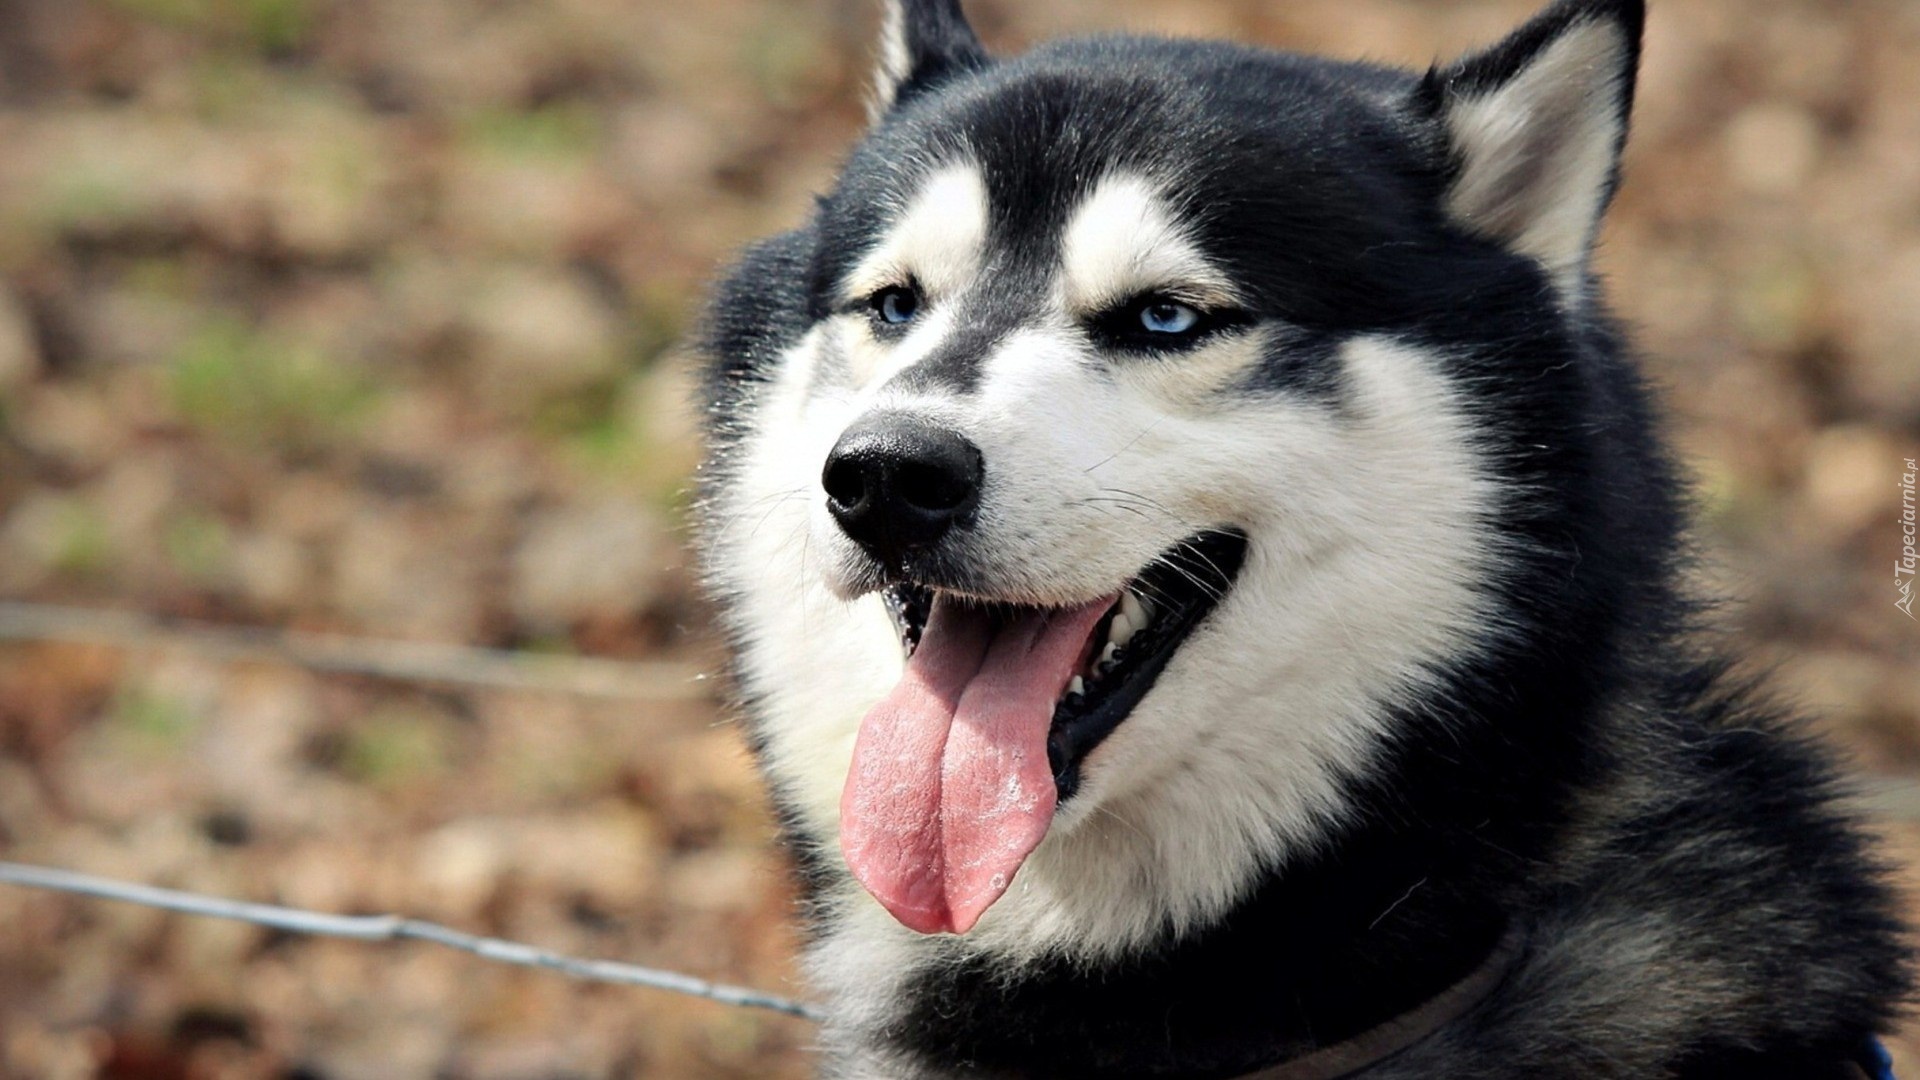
<point x="1130" y="431"/>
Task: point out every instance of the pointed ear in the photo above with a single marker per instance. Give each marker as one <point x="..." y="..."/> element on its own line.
<point x="1535" y="126"/>
<point x="922" y="42"/>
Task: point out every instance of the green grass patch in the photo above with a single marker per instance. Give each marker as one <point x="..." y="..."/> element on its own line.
<point x="189" y="14"/>
<point x="561" y="132"/>
<point x="258" y="391"/>
<point x="598" y="427"/>
<point x="592" y="424"/>
<point x="272" y="26"/>
<point x="82" y="543"/>
<point x="199" y="546"/>
<point x="83" y="194"/>
<point x="276" y="25"/>
<point x="150" y="723"/>
<point x="226" y="84"/>
<point x="162" y="277"/>
<point x="395" y="749"/>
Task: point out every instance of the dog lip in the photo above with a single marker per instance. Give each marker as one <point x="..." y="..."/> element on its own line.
<point x="1189" y="582"/>
<point x="1186" y="583"/>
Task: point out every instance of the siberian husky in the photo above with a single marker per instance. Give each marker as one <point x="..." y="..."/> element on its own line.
<point x="1202" y="576"/>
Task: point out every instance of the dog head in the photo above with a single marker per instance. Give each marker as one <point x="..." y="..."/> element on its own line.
<point x="1134" y="430"/>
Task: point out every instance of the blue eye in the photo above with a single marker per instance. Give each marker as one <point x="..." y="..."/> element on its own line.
<point x="1157" y="324"/>
<point x="1167" y="317"/>
<point x="896" y="305"/>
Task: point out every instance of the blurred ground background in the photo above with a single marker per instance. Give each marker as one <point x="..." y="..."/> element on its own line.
<point x="359" y="315"/>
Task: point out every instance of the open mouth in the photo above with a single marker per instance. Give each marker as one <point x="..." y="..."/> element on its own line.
<point x="1127" y="650"/>
<point x="957" y="772"/>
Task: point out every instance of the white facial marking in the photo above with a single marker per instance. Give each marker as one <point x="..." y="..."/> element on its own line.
<point x="1124" y="240"/>
<point x="938" y="240"/>
<point x="1194" y="379"/>
<point x="937" y="243"/>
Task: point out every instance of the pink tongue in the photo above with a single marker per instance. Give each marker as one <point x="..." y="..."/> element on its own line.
<point x="950" y="787"/>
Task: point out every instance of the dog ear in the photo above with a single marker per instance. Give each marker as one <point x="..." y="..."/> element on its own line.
<point x="922" y="42"/>
<point x="1535" y="126"/>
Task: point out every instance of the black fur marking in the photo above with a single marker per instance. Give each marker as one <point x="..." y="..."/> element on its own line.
<point x="1274" y="980"/>
<point x="758" y="311"/>
<point x="1298" y="361"/>
<point x="988" y="313"/>
<point x="1488" y="70"/>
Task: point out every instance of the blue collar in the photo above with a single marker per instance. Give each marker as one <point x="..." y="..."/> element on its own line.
<point x="1877" y="1062"/>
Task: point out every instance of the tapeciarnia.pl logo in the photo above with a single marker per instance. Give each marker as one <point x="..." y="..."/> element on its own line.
<point x="1903" y="567"/>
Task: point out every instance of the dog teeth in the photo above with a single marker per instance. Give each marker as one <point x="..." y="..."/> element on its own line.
<point x="1132" y="616"/>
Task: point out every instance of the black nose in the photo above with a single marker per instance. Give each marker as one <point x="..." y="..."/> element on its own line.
<point x="897" y="483"/>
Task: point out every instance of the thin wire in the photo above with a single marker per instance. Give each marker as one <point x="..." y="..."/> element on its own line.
<point x="398" y="660"/>
<point x="396" y="928"/>
<point x="409" y="661"/>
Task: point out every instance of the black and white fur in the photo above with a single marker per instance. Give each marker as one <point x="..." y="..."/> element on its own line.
<point x="1452" y="687"/>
